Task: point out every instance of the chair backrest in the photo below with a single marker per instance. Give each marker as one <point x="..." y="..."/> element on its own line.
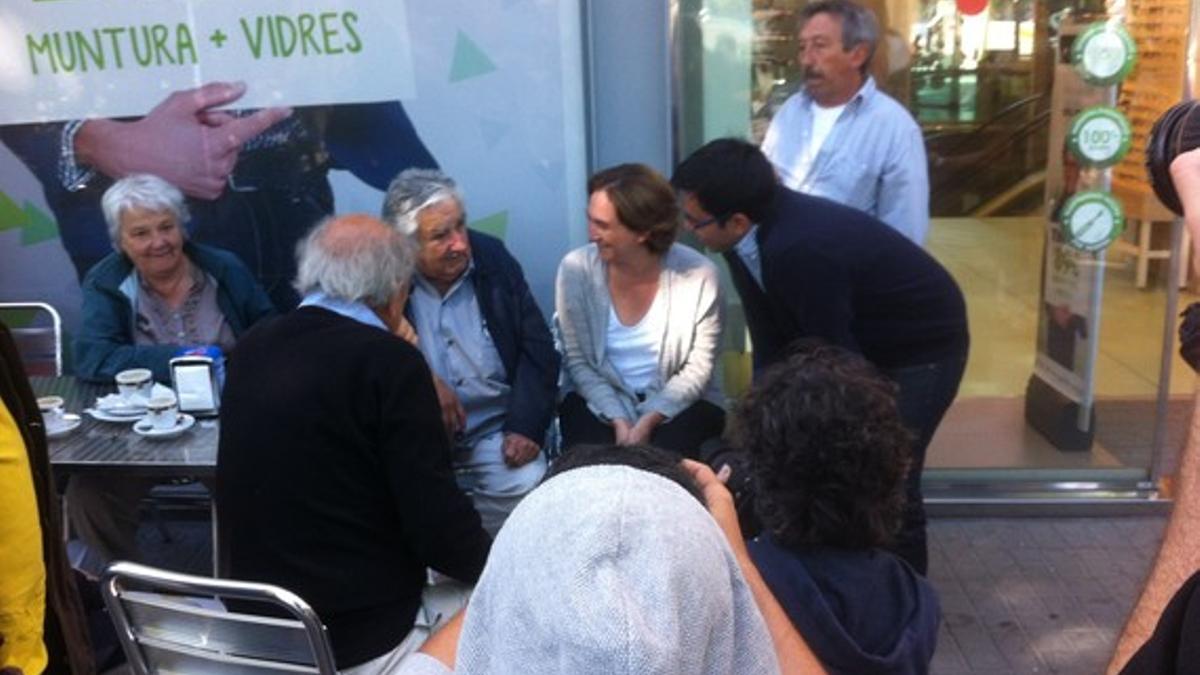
<point x="178" y="623"/>
<point x="40" y="342"/>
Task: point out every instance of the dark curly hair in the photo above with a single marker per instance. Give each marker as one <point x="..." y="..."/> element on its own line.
<point x="829" y="452"/>
<point x="645" y="457"/>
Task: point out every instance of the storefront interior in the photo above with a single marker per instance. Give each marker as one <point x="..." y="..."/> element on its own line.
<point x="979" y="80"/>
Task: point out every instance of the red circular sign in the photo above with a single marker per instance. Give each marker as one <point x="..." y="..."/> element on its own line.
<point x="971" y="7"/>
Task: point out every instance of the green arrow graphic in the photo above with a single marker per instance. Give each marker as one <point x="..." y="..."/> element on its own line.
<point x="469" y="60"/>
<point x="495" y="224"/>
<point x="40" y="226"/>
<point x="11" y="215"/>
<point x="35" y="224"/>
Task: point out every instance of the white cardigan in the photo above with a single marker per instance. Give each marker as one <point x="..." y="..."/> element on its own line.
<point x="690" y="293"/>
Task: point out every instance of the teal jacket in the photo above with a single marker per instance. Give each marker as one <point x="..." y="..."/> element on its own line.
<point x="105" y="344"/>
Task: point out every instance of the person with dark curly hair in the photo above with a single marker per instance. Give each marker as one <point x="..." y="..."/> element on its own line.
<point x="829" y="454"/>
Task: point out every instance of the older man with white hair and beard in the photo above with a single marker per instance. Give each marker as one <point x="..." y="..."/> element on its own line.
<point x="495" y="366"/>
<point x="333" y="473"/>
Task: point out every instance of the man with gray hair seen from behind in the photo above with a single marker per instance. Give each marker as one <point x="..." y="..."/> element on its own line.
<point x="840" y="137"/>
<point x="333" y="471"/>
<point x="493" y="358"/>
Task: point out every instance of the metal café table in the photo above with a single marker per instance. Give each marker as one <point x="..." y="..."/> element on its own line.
<point x="114" y="448"/>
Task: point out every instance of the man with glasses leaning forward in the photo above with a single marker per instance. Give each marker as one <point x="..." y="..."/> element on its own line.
<point x="807" y="267"/>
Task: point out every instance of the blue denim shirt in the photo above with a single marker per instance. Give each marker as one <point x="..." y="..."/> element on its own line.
<point x="351" y="310"/>
<point x="455" y="340"/>
<point x="747" y="250"/>
<point x="873" y="159"/>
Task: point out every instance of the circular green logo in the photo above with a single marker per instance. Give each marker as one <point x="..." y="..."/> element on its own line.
<point x="1092" y="220"/>
<point x="1099" y="136"/>
<point x="1104" y="53"/>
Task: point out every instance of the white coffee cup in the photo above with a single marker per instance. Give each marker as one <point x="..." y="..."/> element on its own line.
<point x="52" y="411"/>
<point x="162" y="412"/>
<point x="135" y="381"/>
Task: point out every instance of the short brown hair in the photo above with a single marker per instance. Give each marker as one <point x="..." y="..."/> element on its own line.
<point x="644" y="202"/>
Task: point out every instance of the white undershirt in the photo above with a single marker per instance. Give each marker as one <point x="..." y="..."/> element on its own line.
<point x="633" y="350"/>
<point x="822" y="123"/>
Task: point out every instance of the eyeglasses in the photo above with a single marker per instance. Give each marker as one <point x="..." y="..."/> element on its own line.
<point x="698" y="224"/>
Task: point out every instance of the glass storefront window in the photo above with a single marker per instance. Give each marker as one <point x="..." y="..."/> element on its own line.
<point x="992" y="91"/>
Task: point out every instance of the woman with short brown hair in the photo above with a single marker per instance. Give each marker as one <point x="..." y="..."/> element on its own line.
<point x="640" y="317"/>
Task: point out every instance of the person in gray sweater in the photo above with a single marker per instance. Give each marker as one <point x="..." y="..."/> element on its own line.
<point x="640" y="322"/>
<point x="634" y="578"/>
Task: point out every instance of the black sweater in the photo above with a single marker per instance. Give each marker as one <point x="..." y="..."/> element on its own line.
<point x="334" y="477"/>
<point x="836" y="273"/>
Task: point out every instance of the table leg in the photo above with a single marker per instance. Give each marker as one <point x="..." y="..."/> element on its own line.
<point x="216" y="555"/>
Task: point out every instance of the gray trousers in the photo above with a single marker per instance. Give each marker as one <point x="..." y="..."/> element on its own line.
<point x="104" y="514"/>
<point x="495" y="487"/>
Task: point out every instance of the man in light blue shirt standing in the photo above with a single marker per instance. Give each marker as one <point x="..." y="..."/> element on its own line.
<point x="840" y="137"/>
<point x="487" y="343"/>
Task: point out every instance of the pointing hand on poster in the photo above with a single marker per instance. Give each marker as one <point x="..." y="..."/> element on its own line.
<point x="183" y="140"/>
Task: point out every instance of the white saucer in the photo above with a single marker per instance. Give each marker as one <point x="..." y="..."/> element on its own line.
<point x="144" y="429"/>
<point x="109" y="416"/>
<point x="70" y="422"/>
<point x="115" y="405"/>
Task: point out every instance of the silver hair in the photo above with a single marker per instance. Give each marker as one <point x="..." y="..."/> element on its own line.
<point x="365" y="269"/>
<point x="413" y="191"/>
<point x="859" y="25"/>
<point x="141" y="191"/>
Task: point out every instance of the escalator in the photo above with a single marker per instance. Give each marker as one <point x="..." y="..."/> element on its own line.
<point x="996" y="168"/>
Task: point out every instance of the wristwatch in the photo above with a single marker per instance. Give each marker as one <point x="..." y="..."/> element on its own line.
<point x="73" y="175"/>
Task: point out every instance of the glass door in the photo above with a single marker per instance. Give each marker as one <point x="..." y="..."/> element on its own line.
<point x="993" y="89"/>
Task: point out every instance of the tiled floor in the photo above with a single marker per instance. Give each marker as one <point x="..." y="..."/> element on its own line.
<point x="1036" y="595"/>
<point x="997" y="262"/>
<point x="1019" y="595"/>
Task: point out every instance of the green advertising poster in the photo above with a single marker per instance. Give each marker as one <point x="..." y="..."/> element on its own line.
<point x="89" y="58"/>
<point x="272" y="114"/>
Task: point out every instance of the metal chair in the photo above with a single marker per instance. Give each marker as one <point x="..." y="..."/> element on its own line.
<point x="171" y="622"/>
<point x="40" y="343"/>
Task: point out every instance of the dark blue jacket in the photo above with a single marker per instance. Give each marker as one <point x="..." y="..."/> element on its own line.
<point x="521" y="335"/>
<point x="859" y="611"/>
<point x="105" y="345"/>
<point x="838" y="274"/>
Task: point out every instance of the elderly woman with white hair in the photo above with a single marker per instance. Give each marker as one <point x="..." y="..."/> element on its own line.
<point x="159" y="294"/>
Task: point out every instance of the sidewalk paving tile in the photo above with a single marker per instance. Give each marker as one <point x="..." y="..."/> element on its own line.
<point x="1036" y="595"/>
